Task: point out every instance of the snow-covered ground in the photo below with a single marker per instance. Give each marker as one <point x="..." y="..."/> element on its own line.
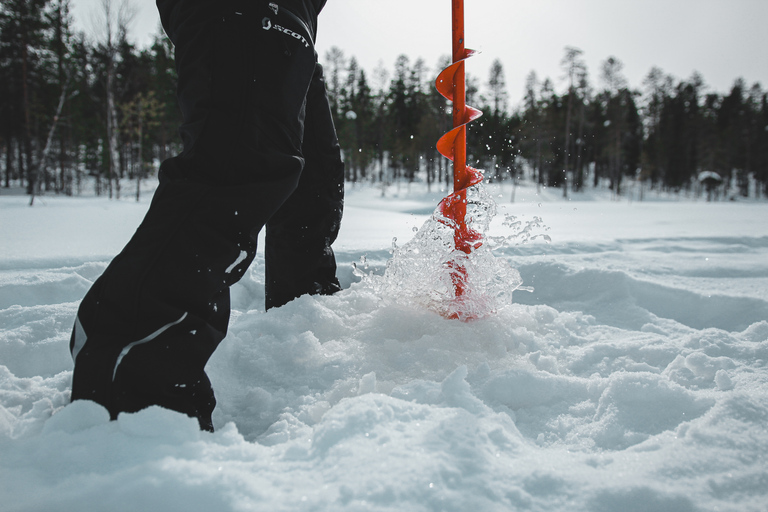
<point x="634" y="377"/>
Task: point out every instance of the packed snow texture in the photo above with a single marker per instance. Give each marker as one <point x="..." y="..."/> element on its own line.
<point x="632" y="377"/>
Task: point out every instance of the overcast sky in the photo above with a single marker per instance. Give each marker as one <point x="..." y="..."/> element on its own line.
<point x="721" y="39"/>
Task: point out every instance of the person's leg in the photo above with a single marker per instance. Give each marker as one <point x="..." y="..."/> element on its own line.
<point x="148" y="325"/>
<point x="299" y="258"/>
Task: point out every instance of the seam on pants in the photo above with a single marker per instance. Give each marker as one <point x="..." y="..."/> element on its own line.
<point x="146" y="339"/>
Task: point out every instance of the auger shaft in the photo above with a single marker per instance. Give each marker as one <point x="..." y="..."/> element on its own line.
<point x="451" y="83"/>
<point x="459" y="98"/>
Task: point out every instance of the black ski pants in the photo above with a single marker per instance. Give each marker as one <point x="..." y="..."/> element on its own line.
<point x="260" y="150"/>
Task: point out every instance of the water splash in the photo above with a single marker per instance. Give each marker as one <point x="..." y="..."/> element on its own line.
<point x="421" y="272"/>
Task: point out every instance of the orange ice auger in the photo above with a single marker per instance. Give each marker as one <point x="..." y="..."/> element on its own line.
<point x="453" y="145"/>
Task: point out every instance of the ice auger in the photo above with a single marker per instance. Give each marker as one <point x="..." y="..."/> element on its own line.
<point x="453" y="145"/>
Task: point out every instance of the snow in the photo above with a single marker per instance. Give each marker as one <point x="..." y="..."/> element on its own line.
<point x="633" y="377"/>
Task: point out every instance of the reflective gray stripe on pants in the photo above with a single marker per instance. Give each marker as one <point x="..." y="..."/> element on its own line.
<point x="147" y="339"/>
<point x="80" y="338"/>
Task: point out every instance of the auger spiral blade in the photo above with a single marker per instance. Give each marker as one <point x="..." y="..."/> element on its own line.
<point x="453" y="145"/>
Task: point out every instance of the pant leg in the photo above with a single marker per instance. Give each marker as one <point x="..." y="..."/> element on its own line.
<point x="149" y="324"/>
<point x="298" y="253"/>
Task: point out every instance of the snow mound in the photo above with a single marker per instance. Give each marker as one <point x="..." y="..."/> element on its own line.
<point x="633" y="377"/>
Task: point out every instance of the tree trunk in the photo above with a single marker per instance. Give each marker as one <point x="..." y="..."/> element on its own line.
<point x="114" y="155"/>
<point x="35" y="170"/>
<point x="579" y="168"/>
<point x="567" y="141"/>
<point x="141" y="156"/>
<point x="27" y="133"/>
<point x="8" y="162"/>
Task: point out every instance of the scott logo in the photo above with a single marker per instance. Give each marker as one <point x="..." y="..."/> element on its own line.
<point x="266" y="24"/>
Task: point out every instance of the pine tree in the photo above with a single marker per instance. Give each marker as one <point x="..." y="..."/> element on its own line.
<point x="657" y="89"/>
<point x="531" y="145"/>
<point x="399" y="117"/>
<point x="162" y="80"/>
<point x="22" y="45"/>
<point x="574" y="68"/>
<point x="490" y="134"/>
<point x="61" y="43"/>
<point x="621" y="116"/>
<point x="762" y="143"/>
<point x="582" y="92"/>
<point x="679" y="128"/>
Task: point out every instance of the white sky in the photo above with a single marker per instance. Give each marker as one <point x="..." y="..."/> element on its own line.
<point x="721" y="39"/>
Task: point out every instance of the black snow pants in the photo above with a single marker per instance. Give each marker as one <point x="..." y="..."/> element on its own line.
<point x="260" y="150"/>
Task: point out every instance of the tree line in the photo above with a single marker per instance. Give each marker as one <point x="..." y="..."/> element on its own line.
<point x="76" y="112"/>
<point x="671" y="135"/>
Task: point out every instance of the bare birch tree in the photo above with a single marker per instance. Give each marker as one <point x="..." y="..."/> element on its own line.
<point x="111" y="23"/>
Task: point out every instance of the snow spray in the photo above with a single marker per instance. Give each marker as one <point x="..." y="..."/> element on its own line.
<point x="420" y="273"/>
<point x="447" y="267"/>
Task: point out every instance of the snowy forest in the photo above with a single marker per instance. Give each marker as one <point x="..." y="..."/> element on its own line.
<point x="79" y="112"/>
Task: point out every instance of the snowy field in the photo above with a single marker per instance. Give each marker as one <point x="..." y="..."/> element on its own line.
<point x="634" y="377"/>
